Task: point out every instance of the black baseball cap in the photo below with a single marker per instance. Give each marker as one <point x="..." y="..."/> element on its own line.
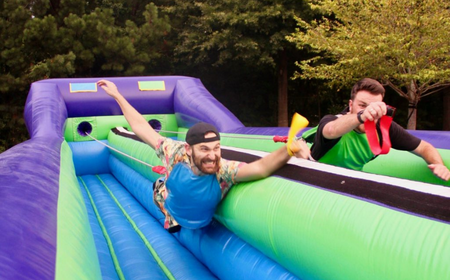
<point x="196" y="134"/>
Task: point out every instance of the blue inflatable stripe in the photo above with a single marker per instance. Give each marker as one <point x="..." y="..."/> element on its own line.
<point x="103" y="229"/>
<point x="133" y="257"/>
<point x="104" y="256"/>
<point x="133" y="224"/>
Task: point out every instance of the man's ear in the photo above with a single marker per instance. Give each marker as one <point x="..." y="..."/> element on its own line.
<point x="188" y="149"/>
<point x="350" y="103"/>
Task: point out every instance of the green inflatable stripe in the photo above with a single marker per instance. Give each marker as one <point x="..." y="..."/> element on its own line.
<point x="317" y="234"/>
<point x="76" y="255"/>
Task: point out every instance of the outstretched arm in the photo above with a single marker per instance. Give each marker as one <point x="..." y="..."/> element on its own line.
<point x="349" y="122"/>
<point x="340" y="126"/>
<point x="137" y="122"/>
<point x="265" y="166"/>
<point x="434" y="160"/>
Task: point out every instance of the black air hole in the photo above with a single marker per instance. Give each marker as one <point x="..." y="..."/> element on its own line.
<point x="84" y="128"/>
<point x="155" y="124"/>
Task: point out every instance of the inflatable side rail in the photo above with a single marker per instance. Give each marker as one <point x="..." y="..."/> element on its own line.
<point x="34" y="235"/>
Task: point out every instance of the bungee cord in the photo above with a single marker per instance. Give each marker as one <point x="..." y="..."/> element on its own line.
<point x="158" y="169"/>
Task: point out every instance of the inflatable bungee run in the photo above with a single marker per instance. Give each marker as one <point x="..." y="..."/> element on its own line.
<point x="76" y="199"/>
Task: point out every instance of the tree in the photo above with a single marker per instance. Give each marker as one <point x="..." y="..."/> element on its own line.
<point x="404" y="44"/>
<point x="42" y="39"/>
<point x="253" y="32"/>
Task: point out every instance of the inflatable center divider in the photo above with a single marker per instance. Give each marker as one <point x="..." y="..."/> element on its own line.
<point x="78" y="206"/>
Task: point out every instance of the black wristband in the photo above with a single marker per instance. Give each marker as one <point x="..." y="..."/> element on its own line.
<point x="358" y="115"/>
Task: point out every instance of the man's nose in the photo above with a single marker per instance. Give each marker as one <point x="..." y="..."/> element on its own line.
<point x="211" y="154"/>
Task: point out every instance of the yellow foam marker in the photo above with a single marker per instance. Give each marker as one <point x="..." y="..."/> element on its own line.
<point x="151" y="85"/>
<point x="298" y="123"/>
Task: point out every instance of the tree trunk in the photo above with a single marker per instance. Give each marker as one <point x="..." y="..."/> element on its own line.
<point x="412" y="117"/>
<point x="413" y="99"/>
<point x="282" y="90"/>
<point x="446" y="109"/>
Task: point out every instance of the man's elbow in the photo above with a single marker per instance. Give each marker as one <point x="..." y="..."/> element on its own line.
<point x="330" y="133"/>
<point x="423" y="148"/>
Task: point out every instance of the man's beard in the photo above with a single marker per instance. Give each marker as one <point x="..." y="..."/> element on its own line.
<point x="198" y="162"/>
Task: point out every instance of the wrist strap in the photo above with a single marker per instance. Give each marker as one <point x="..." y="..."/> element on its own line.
<point x="358" y="116"/>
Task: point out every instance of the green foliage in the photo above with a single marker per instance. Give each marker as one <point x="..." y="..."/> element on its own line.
<point x="219" y="31"/>
<point x="73" y="39"/>
<point x="40" y="39"/>
<point x="402" y="43"/>
<point x="251" y="32"/>
<point x="396" y="41"/>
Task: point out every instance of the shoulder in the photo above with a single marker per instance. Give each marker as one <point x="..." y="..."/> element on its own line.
<point x="398" y="130"/>
<point x="324" y="121"/>
<point x="227" y="165"/>
<point x="228" y="169"/>
<point x="169" y="146"/>
<point x="164" y="141"/>
<point x="401" y="139"/>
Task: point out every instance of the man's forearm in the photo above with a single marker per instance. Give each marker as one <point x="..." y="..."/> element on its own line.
<point x="431" y="155"/>
<point x="138" y="123"/>
<point x="274" y="161"/>
<point x="263" y="167"/>
<point x="133" y="117"/>
<point x="340" y="126"/>
<point x="428" y="153"/>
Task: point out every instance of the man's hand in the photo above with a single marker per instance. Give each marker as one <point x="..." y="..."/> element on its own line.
<point x="300" y="149"/>
<point x="137" y="122"/>
<point x="109" y="87"/>
<point x="374" y="111"/>
<point x="440" y="171"/>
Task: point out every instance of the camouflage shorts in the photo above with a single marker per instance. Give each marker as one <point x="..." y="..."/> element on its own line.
<point x="159" y="197"/>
